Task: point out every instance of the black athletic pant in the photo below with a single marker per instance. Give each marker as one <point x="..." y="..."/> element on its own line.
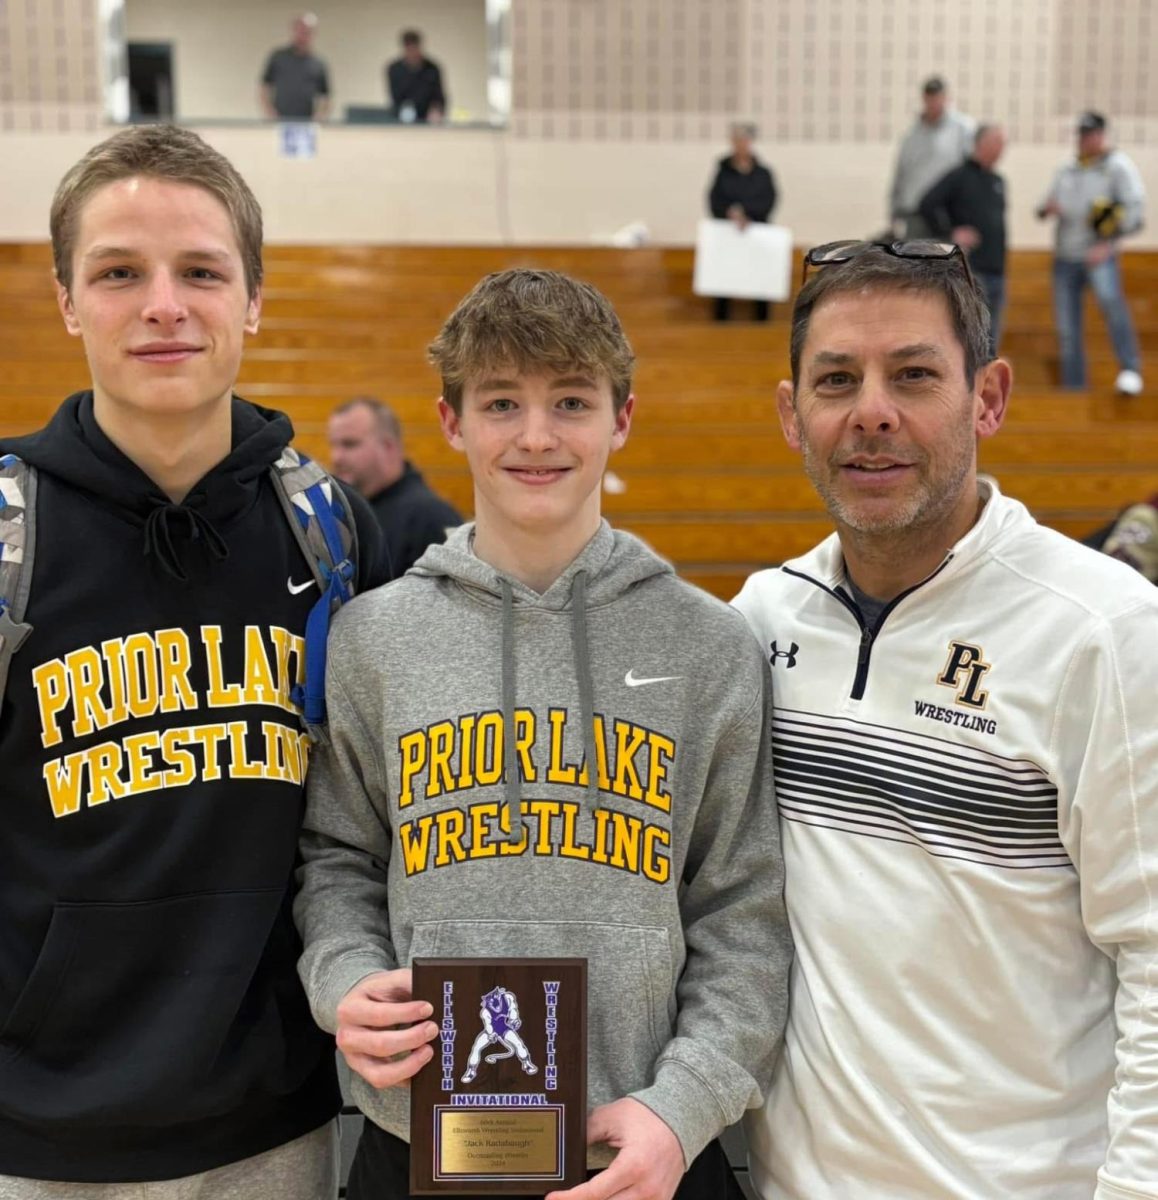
<point x="381" y="1171"/>
<point x="723" y="309"/>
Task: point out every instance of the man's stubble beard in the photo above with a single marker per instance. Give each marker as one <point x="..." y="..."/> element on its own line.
<point x="927" y="506"/>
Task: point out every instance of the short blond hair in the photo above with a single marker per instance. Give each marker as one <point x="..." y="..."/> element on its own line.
<point x="157" y="152"/>
<point x="532" y="320"/>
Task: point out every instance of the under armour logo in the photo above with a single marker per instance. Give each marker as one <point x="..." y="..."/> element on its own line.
<point x="789" y="654"/>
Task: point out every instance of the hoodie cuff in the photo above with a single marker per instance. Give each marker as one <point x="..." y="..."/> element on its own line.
<point x="348" y="971"/>
<point x="686" y="1105"/>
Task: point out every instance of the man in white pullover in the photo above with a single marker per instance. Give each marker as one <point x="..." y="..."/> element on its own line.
<point x="967" y="774"/>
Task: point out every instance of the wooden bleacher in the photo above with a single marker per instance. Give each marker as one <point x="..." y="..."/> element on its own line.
<point x="708" y="479"/>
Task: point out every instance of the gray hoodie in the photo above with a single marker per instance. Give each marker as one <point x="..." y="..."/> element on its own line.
<point x="662" y="867"/>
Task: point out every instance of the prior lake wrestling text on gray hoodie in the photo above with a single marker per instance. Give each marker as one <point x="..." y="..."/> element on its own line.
<point x="453" y="815"/>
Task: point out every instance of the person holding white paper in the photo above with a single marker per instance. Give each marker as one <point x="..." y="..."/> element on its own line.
<point x="743" y="191"/>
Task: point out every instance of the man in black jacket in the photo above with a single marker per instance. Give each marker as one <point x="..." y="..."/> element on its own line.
<point x="367" y="453"/>
<point x="743" y="191"/>
<point x="967" y="206"/>
<point x="152" y="1027"/>
<point x="414" y="84"/>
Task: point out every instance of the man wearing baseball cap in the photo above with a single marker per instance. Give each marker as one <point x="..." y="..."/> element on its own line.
<point x="940" y="139"/>
<point x="1098" y="198"/>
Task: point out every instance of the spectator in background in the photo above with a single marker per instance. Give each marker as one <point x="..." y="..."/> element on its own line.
<point x="1132" y="538"/>
<point x="1097" y="199"/>
<point x="414" y="84"/>
<point x="967" y="206"/>
<point x="940" y="140"/>
<point x="294" y="84"/>
<point x="743" y="191"/>
<point x="366" y="449"/>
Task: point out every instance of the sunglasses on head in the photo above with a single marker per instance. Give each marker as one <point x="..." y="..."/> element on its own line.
<point x="831" y="254"/>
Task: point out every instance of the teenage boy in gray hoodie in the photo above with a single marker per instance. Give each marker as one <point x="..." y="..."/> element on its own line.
<point x="539" y="639"/>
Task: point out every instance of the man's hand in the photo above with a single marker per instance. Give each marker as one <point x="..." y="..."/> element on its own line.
<point x="382" y="1032"/>
<point x="1050" y="209"/>
<point x="1099" y="252"/>
<point x="737" y="214"/>
<point x="650" y="1162"/>
<point x="966" y="237"/>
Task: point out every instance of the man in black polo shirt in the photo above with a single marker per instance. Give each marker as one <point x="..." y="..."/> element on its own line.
<point x="295" y="85"/>
<point x="367" y="453"/>
<point x="414" y="83"/>
<point x="967" y="206"/>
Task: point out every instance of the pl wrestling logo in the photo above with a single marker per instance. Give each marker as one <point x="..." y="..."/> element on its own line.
<point x="501" y="1023"/>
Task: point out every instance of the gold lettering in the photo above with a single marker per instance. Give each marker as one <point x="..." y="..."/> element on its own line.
<point x="524" y="741"/>
<point x="628" y="739"/>
<point x="466" y="751"/>
<point x="488" y="751"/>
<point x="239" y="766"/>
<point x="439" y="778"/>
<point x="181" y="762"/>
<point x="141" y="683"/>
<point x="412" y="748"/>
<point x="51" y="682"/>
<point x="86" y="674"/>
<point x="660" y="753"/>
<point x="656" y="865"/>
<point x="114" y="652"/>
<point x="625" y="837"/>
<point x="143" y="775"/>
<point x="415" y="838"/>
<point x="208" y="737"/>
<point x="557" y="772"/>
<point x="451" y="824"/>
<point x="544" y="810"/>
<point x="104" y="765"/>
<point x="63" y="777"/>
<point x="176" y="661"/>
<point x="219" y="695"/>
<point x="569" y="847"/>
<point x="480" y="831"/>
<point x="259" y="687"/>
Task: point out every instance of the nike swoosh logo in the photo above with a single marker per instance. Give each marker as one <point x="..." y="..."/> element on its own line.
<point x="295" y="588"/>
<point x="631" y="680"/>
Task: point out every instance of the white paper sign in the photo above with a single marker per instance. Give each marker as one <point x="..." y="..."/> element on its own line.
<point x="754" y="263"/>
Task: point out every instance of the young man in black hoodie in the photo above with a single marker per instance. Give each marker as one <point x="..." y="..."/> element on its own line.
<point x="151" y="1024"/>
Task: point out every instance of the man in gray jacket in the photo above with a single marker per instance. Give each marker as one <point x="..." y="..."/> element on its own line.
<point x="544" y="743"/>
<point x="1098" y="199"/>
<point x="940" y="139"/>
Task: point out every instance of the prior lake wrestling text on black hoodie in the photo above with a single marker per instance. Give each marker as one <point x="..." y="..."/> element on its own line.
<point x="151" y="765"/>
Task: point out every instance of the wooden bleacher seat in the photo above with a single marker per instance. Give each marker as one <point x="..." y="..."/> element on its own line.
<point x="707" y="477"/>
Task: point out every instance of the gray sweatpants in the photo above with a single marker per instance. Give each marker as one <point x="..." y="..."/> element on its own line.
<point x="305" y="1169"/>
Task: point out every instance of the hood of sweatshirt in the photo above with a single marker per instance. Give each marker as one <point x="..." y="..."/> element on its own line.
<point x="609" y="565"/>
<point x="74" y="449"/>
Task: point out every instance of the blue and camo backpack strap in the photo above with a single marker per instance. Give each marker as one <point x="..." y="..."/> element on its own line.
<point x="17" y="546"/>
<point x="323" y="523"/>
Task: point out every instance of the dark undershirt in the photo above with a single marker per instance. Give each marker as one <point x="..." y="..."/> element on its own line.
<point x="870" y="607"/>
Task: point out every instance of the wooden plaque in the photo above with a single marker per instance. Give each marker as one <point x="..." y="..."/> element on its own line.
<point x="502" y="1105"/>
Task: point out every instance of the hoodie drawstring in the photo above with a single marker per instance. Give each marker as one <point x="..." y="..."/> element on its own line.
<point x="159" y="536"/>
<point x="511" y="803"/>
<point x="581" y="653"/>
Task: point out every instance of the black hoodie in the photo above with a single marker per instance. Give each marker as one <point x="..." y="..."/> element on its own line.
<point x="151" y="1020"/>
